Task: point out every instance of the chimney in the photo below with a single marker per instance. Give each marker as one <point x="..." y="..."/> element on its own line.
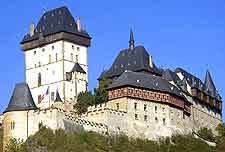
<point x="78" y="24"/>
<point x="150" y="61"/>
<point x="31" y="29"/>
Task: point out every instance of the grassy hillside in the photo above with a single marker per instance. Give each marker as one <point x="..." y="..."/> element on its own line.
<point x="45" y="140"/>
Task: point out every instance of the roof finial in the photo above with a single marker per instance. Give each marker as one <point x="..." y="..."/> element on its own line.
<point x="78" y="24"/>
<point x="131" y="42"/>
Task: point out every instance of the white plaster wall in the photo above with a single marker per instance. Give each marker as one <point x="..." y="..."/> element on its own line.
<point x="53" y="69"/>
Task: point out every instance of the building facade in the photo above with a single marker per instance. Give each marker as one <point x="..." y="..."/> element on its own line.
<point x="56" y="58"/>
<point x="144" y="101"/>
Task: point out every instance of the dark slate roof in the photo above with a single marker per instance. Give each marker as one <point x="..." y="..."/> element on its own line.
<point x="192" y="80"/>
<point x="209" y="82"/>
<point x="58" y="98"/>
<point x="170" y="75"/>
<point x="146" y="81"/>
<point x="54" y="21"/>
<point x="21" y="99"/>
<point x="208" y="87"/>
<point x="136" y="59"/>
<point x="78" y="68"/>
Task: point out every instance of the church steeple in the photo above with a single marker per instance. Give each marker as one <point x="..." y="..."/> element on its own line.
<point x="209" y="85"/>
<point x="131" y="41"/>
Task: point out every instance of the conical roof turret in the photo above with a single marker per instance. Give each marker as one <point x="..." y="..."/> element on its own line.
<point x="21" y="99"/>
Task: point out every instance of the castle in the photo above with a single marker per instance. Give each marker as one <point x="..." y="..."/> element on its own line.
<point x="144" y="101"/>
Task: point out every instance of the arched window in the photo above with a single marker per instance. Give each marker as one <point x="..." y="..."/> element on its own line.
<point x="39" y="79"/>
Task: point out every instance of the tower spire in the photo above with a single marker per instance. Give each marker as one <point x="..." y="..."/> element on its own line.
<point x="131" y="41"/>
<point x="209" y="82"/>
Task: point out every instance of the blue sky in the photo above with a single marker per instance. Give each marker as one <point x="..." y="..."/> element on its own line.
<point x="188" y="34"/>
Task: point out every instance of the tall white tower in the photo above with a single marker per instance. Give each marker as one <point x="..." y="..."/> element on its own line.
<point x="56" y="58"/>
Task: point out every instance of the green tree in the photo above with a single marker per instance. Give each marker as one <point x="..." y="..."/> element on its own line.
<point x="206" y="134"/>
<point x="84" y="100"/>
<point x="101" y="93"/>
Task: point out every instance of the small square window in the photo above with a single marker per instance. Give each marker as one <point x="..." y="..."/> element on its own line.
<point x="135" y="105"/>
<point x="43" y="49"/>
<point x="145" y="118"/>
<point x="35" y="52"/>
<point x="155" y="109"/>
<point x="12" y="125"/>
<point x="164" y="121"/>
<point x="53" y="47"/>
<point x="78" y="48"/>
<point x="52" y="96"/>
<point x="145" y="107"/>
<point x="117" y="106"/>
<point x="136" y="117"/>
<point x="76" y="58"/>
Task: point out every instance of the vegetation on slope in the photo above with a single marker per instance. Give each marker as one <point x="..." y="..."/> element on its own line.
<point x="46" y="140"/>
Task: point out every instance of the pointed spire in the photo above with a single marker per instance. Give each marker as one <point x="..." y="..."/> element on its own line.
<point x="209" y="85"/>
<point x="131" y="41"/>
<point x="58" y="98"/>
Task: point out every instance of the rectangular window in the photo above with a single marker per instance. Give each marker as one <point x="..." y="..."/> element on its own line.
<point x="156" y="119"/>
<point x="77" y="58"/>
<point x="163" y="109"/>
<point x="12" y="125"/>
<point x="78" y="49"/>
<point x="135" y="105"/>
<point x="145" y="118"/>
<point x="71" y="56"/>
<point x="49" y="59"/>
<point x="39" y="98"/>
<point x="164" y="121"/>
<point x="52" y="96"/>
<point x="136" y="117"/>
<point x="145" y="107"/>
<point x="56" y="57"/>
<point x="117" y="106"/>
<point x="155" y="109"/>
